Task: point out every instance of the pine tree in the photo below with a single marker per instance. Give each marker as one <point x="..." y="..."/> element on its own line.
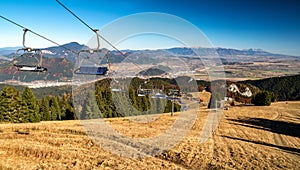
<point x="33" y="109"/>
<point x="64" y="105"/>
<point x="67" y="110"/>
<point x="12" y="108"/>
<point x="4" y="106"/>
<point x="133" y="98"/>
<point x="107" y="103"/>
<point x="263" y="98"/>
<point x="58" y="108"/>
<point x="100" y="101"/>
<point x="90" y="108"/>
<point x="45" y="110"/>
<point x="55" y="109"/>
<point x="53" y="113"/>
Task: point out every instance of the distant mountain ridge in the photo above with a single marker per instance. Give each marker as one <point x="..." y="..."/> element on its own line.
<point x="60" y="51"/>
<point x="74" y="46"/>
<point x="66" y="56"/>
<point x="8" y="50"/>
<point x="222" y="51"/>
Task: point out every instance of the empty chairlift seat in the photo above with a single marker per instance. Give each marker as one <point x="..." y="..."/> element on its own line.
<point x="31" y="59"/>
<point x="30" y="68"/>
<point x="92" y="70"/>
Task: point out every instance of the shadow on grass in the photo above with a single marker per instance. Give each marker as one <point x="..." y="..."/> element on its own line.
<point x="288" y="149"/>
<point x="275" y="126"/>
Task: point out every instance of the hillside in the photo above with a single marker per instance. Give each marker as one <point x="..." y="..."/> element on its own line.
<point x="58" y="69"/>
<point x="276" y="85"/>
<point x="266" y="139"/>
<point x="286" y="88"/>
<point x="155" y="71"/>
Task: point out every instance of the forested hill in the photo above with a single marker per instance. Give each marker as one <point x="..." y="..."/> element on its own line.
<point x="19" y="104"/>
<point x="286" y="88"/>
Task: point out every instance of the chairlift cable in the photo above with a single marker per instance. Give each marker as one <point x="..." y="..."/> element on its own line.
<point x="37" y="68"/>
<point x="84" y="23"/>
<point x="24" y="28"/>
<point x="103" y="38"/>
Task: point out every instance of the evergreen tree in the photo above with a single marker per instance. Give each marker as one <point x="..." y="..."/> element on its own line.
<point x="263" y="98"/>
<point x="285" y="88"/>
<point x="70" y="115"/>
<point x="55" y="109"/>
<point x="45" y="110"/>
<point x="153" y="104"/>
<point x="90" y="108"/>
<point x="168" y="107"/>
<point x="12" y="108"/>
<point x="108" y="103"/>
<point x="133" y="98"/>
<point x="64" y="105"/>
<point x="100" y="104"/>
<point x="53" y="113"/>
<point x="4" y="107"/>
<point x="58" y="108"/>
<point x="33" y="109"/>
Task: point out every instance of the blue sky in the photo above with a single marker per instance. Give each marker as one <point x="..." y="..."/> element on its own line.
<point x="270" y="25"/>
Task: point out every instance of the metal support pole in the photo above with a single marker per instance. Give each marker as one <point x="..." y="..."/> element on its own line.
<point x="172" y="113"/>
<point x="24" y="36"/>
<point x="173" y="92"/>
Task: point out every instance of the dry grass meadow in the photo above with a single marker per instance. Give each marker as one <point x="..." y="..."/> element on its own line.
<point x="248" y="137"/>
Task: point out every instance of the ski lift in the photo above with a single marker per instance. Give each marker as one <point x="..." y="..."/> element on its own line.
<point x="173" y="96"/>
<point x="29" y="53"/>
<point x="92" y="70"/>
<point x="158" y="95"/>
<point x="173" y="92"/>
<point x="116" y="87"/>
<point x="143" y="92"/>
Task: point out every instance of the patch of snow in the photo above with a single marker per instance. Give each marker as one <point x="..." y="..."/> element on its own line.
<point x="235" y="89"/>
<point x="47" y="52"/>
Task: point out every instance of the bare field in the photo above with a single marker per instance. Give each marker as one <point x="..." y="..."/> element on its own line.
<point x="252" y="68"/>
<point x="248" y="137"/>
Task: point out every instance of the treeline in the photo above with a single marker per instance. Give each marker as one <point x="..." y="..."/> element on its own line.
<point x="86" y="103"/>
<point x="107" y="104"/>
<point x="263" y="98"/>
<point x="100" y="101"/>
<point x="21" y="108"/>
<point x="285" y="88"/>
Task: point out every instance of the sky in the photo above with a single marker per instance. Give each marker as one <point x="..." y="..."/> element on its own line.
<point x="271" y="25"/>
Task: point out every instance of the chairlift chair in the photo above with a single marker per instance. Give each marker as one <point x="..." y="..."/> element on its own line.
<point x="143" y="92"/>
<point x="29" y="52"/>
<point x="92" y="69"/>
<point x="117" y="86"/>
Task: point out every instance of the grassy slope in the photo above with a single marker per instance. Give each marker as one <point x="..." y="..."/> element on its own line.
<point x="247" y="137"/>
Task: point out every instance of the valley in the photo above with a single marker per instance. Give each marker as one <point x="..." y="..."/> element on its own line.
<point x="237" y="65"/>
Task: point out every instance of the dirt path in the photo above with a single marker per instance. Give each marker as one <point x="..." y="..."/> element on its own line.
<point x="277" y="137"/>
<point x="280" y="139"/>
